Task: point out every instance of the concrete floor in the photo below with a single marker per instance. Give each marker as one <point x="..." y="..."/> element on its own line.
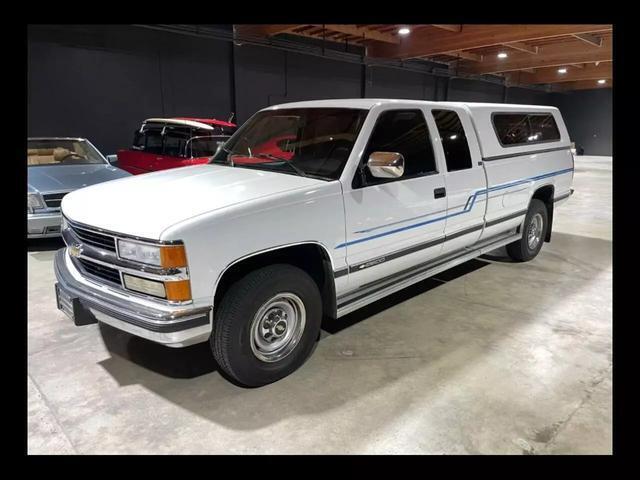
<point x="490" y="357"/>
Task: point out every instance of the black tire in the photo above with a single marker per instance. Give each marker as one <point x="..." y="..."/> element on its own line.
<point x="521" y="250"/>
<point x="231" y="340"/>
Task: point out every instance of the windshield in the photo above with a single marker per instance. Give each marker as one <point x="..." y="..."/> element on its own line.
<point x="62" y="152"/>
<point x="177" y="140"/>
<point x="313" y="142"/>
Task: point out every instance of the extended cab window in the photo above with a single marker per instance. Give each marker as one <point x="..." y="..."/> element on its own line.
<point x="515" y="129"/>
<point x="404" y="132"/>
<point x="454" y="140"/>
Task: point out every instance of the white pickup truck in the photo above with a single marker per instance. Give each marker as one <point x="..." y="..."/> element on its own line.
<point x="310" y="209"/>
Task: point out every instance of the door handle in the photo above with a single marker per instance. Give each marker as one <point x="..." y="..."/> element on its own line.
<point x="439" y="192"/>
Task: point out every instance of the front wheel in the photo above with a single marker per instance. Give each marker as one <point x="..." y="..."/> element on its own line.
<point x="534" y="232"/>
<point x="267" y="325"/>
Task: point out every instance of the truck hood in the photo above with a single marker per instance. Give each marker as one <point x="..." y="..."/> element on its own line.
<point x="146" y="205"/>
<point x="70" y="177"/>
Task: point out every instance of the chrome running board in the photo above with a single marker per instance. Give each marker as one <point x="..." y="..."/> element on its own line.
<point x="359" y="298"/>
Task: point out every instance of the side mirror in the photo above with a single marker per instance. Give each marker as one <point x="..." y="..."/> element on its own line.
<point x="386" y="164"/>
<point x="112" y="159"/>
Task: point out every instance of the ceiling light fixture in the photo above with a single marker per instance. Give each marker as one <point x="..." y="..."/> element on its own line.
<point x="404" y="31"/>
<point x="562" y="70"/>
<point x="601" y="81"/>
<point x="502" y="55"/>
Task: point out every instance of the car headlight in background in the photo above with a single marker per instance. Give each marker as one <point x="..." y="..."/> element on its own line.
<point x="34" y="202"/>
<point x="165" y="256"/>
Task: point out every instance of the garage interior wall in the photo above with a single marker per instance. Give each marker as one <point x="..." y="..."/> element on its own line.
<point x="588" y="115"/>
<point x="101" y="81"/>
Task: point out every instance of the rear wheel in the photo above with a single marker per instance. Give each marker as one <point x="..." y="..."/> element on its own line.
<point x="267" y="324"/>
<point x="534" y="232"/>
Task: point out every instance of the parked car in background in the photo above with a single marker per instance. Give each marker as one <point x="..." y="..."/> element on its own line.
<point x="57" y="166"/>
<point x="163" y="143"/>
<point x="367" y="197"/>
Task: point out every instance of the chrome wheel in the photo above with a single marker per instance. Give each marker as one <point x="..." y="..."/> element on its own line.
<point x="277" y="327"/>
<point x="534" y="231"/>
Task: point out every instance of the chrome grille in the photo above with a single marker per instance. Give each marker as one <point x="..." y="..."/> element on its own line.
<point x="103" y="272"/>
<point x="94" y="238"/>
<point x="53" y="200"/>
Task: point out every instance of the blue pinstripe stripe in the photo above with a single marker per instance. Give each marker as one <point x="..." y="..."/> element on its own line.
<point x="467" y="208"/>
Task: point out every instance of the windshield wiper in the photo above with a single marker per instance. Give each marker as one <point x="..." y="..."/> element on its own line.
<point x="298" y="170"/>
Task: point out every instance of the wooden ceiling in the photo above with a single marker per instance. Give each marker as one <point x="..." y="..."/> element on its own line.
<point x="568" y="57"/>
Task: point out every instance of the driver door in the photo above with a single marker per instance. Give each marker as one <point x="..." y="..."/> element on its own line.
<point x="395" y="224"/>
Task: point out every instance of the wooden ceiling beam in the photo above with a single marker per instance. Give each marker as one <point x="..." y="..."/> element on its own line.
<point x="594" y="40"/>
<point x="361" y="32"/>
<point x="550" y="56"/>
<point x="449" y="28"/>
<point x="365" y="33"/>
<point x="474" y="57"/>
<point x="522" y="47"/>
<point x="551" y="75"/>
<point x="264" y="30"/>
<point x="436" y="41"/>
<point x="581" y="85"/>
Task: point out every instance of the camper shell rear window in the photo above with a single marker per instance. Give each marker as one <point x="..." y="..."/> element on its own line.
<point x="516" y="129"/>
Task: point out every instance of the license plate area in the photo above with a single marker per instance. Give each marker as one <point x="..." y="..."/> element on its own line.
<point x="72" y="308"/>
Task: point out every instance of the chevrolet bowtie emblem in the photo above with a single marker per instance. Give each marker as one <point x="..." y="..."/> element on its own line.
<point x="75" y="250"/>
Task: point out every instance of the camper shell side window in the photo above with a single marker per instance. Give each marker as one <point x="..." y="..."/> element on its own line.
<point x="515" y="129"/>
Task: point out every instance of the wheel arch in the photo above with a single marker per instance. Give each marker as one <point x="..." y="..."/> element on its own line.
<point x="545" y="194"/>
<point x="312" y="257"/>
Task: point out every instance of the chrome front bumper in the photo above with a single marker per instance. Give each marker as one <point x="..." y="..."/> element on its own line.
<point x="174" y="326"/>
<point x="43" y="225"/>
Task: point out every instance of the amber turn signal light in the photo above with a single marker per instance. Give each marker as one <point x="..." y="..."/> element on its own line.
<point x="179" y="291"/>
<point x="173" y="256"/>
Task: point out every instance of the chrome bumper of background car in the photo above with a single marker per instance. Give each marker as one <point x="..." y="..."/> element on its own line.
<point x="171" y="326"/>
<point x="43" y="225"/>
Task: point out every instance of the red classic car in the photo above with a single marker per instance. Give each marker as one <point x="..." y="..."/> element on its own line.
<point x="163" y="143"/>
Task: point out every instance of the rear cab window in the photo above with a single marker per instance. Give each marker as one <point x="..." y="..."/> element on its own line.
<point x="453" y="139"/>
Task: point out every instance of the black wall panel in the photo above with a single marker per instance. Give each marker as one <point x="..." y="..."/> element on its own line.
<point x="96" y="94"/>
<point x="589" y="120"/>
<point x="394" y="83"/>
<point x="266" y="77"/>
<point x="260" y="80"/>
<point x="196" y="78"/>
<point x="310" y="78"/>
<point x="526" y="96"/>
<point x="101" y="82"/>
<point x="464" y="90"/>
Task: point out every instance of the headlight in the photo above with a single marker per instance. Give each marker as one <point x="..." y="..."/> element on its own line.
<point x="34" y="202"/>
<point x="165" y="256"/>
<point x="139" y="252"/>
